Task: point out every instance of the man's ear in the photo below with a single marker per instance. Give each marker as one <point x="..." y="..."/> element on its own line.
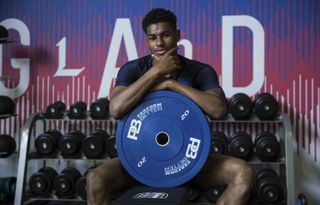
<point x="146" y="42"/>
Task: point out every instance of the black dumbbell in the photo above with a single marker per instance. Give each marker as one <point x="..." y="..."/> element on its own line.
<point x="269" y="188"/>
<point x="41" y="182"/>
<point x="81" y="185"/>
<point x="55" y="110"/>
<point x="94" y="145"/>
<point x="241" y="145"/>
<point x="194" y="195"/>
<point x="47" y="143"/>
<point x="78" y="110"/>
<point x="70" y="144"/>
<point x="111" y="147"/>
<point x="7" y="146"/>
<point x="65" y="183"/>
<point x="266" y="106"/>
<point x="219" y="143"/>
<point x="8" y="187"/>
<point x="100" y="109"/>
<point x="7" y="106"/>
<point x="267" y="147"/>
<point x="240" y="106"/>
<point x="213" y="194"/>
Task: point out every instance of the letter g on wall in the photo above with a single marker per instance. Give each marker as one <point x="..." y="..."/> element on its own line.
<point x="23" y="64"/>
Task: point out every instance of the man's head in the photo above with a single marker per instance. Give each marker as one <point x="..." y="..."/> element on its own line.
<point x="161" y="31"/>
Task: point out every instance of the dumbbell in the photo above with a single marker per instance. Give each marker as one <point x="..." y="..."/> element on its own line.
<point x="194" y="195"/>
<point x="267" y="147"/>
<point x="7" y="146"/>
<point x="70" y="144"/>
<point x="266" y="106"/>
<point x="269" y="188"/>
<point x="41" y="182"/>
<point x="47" y="143"/>
<point x="55" y="110"/>
<point x="8" y="187"/>
<point x="219" y="143"/>
<point x="81" y="185"/>
<point x="240" y="106"/>
<point x="78" y="110"/>
<point x="94" y="145"/>
<point x="111" y="147"/>
<point x="64" y="184"/>
<point x="241" y="145"/>
<point x="100" y="109"/>
<point x="7" y="105"/>
<point x="213" y="194"/>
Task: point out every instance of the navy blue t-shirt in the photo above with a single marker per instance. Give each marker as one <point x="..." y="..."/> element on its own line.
<point x="192" y="73"/>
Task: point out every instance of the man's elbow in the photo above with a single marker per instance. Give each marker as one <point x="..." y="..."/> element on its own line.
<point x="115" y="110"/>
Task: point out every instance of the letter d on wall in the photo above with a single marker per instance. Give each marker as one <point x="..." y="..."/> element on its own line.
<point x="228" y="23"/>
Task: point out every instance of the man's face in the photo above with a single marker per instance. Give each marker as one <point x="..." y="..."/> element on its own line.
<point x="161" y="37"/>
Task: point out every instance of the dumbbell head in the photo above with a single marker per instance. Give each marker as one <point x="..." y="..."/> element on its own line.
<point x="213" y="194"/>
<point x="100" y="109"/>
<point x="81" y="185"/>
<point x="7" y="105"/>
<point x="240" y="106"/>
<point x="47" y="143"/>
<point x="266" y="106"/>
<point x="70" y="144"/>
<point x="111" y="147"/>
<point x="268" y="186"/>
<point x="219" y="143"/>
<point x="65" y="183"/>
<point x="55" y="110"/>
<point x="40" y="183"/>
<point x="94" y="145"/>
<point x="241" y="145"/>
<point x="78" y="110"/>
<point x="8" y="186"/>
<point x="267" y="147"/>
<point x="194" y="195"/>
<point x="7" y="146"/>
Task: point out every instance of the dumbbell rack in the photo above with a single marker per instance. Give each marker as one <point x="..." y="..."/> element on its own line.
<point x="284" y="166"/>
<point x="29" y="163"/>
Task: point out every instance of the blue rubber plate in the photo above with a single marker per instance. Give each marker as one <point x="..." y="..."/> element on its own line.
<point x="164" y="141"/>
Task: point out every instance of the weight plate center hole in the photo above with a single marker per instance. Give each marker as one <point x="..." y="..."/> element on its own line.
<point x="162" y="139"/>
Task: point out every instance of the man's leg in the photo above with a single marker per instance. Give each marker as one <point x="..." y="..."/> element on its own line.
<point x="104" y="179"/>
<point x="220" y="170"/>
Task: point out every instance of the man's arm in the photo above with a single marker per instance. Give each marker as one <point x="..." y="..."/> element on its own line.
<point x="212" y="101"/>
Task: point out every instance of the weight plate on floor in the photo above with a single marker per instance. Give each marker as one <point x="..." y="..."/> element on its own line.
<point x="165" y="140"/>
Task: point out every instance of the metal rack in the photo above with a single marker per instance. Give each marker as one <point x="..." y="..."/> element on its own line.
<point x="36" y="123"/>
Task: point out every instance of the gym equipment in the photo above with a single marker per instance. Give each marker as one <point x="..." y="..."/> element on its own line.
<point x="267" y="147"/>
<point x="64" y="184"/>
<point x="240" y="106"/>
<point x="8" y="186"/>
<point x="41" y="182"/>
<point x="78" y="110"/>
<point x="302" y="199"/>
<point x="111" y="147"/>
<point x="100" y="109"/>
<point x="241" y="145"/>
<point x="70" y="144"/>
<point x="213" y="194"/>
<point x="194" y="195"/>
<point x="7" y="146"/>
<point x="81" y="185"/>
<point x="219" y="143"/>
<point x="55" y="110"/>
<point x="266" y="106"/>
<point x="7" y="106"/>
<point x="164" y="141"/>
<point x="94" y="145"/>
<point x="141" y="195"/>
<point x="47" y="143"/>
<point x="269" y="188"/>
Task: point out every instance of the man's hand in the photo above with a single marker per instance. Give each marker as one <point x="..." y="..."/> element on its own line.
<point x="162" y="85"/>
<point x="167" y="63"/>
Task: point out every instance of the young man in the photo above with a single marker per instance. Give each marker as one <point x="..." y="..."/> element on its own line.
<point x="165" y="69"/>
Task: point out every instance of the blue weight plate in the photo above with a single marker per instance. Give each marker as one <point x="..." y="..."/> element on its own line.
<point x="164" y="141"/>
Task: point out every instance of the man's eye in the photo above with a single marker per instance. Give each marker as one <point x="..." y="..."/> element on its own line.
<point x="152" y="38"/>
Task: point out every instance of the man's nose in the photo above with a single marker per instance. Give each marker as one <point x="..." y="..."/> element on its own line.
<point x="159" y="41"/>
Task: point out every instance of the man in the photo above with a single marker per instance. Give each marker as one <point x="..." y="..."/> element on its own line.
<point x="165" y="69"/>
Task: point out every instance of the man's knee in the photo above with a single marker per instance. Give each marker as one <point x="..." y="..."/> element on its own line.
<point x="244" y="173"/>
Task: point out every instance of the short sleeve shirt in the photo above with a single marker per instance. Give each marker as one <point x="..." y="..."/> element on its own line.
<point x="192" y="73"/>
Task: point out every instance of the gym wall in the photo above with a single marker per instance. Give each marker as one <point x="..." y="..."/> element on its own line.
<point x="72" y="50"/>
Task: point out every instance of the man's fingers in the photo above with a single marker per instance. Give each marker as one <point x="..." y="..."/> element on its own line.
<point x="172" y="51"/>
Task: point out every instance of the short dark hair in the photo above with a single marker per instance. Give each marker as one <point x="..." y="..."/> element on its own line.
<point x="158" y="15"/>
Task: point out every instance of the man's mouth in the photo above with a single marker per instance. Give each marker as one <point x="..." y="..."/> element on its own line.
<point x="160" y="52"/>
